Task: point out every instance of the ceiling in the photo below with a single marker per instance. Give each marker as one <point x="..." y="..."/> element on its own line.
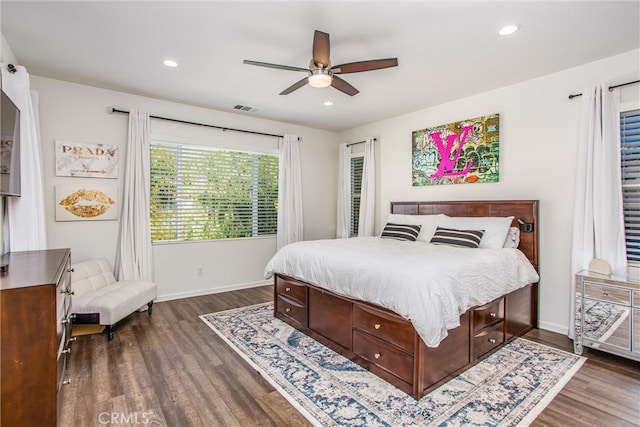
<point x="446" y="50"/>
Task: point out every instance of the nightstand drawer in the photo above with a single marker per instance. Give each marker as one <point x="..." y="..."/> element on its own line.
<point x="607" y="293"/>
<point x="384" y="355"/>
<point x="395" y="331"/>
<point x="291" y="290"/>
<point x="488" y="314"/>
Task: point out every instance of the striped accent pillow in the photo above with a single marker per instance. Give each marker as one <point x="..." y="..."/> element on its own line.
<point x="460" y="238"/>
<point x="401" y="231"/>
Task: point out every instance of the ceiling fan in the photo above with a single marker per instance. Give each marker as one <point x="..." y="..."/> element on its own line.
<point x="322" y="74"/>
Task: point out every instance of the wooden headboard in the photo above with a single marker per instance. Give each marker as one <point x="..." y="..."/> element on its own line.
<point x="525" y="210"/>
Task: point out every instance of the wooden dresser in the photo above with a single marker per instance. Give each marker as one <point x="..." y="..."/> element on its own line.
<point x="35" y="304"/>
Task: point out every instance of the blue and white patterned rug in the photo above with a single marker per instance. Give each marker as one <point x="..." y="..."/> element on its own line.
<point x="511" y="387"/>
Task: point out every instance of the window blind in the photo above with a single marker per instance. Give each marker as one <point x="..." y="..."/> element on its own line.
<point x="357" y="164"/>
<point x="630" y="163"/>
<point x="201" y="193"/>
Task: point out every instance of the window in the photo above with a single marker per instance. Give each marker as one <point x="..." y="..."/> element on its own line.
<point x="202" y="193"/>
<point x="630" y="162"/>
<point x="357" y="164"/>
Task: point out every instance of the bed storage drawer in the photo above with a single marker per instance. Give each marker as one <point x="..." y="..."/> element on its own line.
<point x="384" y="326"/>
<point x="488" y="339"/>
<point x="292" y="309"/>
<point x="292" y="290"/>
<point x="386" y="356"/>
<point x="488" y="314"/>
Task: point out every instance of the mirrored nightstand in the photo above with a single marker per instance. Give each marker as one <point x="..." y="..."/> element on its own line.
<point x="607" y="314"/>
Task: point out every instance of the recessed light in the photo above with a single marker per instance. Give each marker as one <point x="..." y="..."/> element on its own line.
<point x="327" y="103"/>
<point x="508" y="29"/>
<point x="170" y="63"/>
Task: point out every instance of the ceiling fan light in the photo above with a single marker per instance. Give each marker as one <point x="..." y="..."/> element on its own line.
<point x="320" y="80"/>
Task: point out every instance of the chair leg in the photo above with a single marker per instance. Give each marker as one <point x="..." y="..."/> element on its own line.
<point x="110" y="330"/>
<point x="149" y="307"/>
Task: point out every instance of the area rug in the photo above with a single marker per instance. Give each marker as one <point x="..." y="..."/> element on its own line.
<point x="511" y="387"/>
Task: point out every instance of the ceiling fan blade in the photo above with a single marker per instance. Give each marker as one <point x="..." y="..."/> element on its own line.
<point x="321" y="49"/>
<point x="357" y="67"/>
<point x="297" y="85"/>
<point x="279" y="67"/>
<point x="343" y="86"/>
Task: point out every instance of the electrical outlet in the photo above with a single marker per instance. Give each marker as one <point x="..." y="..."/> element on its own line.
<point x="199" y="270"/>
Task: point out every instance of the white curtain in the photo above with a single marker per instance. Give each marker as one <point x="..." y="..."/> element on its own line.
<point x="290" y="225"/>
<point x="344" y="192"/>
<point x="598" y="221"/>
<point x="26" y="214"/>
<point x="134" y="259"/>
<point x="367" y="196"/>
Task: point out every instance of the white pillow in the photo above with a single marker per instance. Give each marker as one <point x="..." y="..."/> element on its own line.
<point x="513" y="238"/>
<point x="495" y="228"/>
<point x="428" y="223"/>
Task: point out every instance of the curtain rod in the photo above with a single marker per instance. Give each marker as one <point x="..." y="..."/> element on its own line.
<point x="610" y="88"/>
<point x="113" y="110"/>
<point x="360" y="142"/>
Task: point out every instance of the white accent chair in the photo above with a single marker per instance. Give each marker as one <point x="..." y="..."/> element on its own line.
<point x="97" y="298"/>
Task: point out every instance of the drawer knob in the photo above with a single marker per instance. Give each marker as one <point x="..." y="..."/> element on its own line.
<point x="72" y="339"/>
<point x="492" y="340"/>
<point x="67" y="381"/>
<point x="492" y="315"/>
<point x="66" y="350"/>
<point x="605" y="293"/>
<point x="377" y="355"/>
<point x="377" y="326"/>
<point x="70" y="270"/>
<point x="287" y="309"/>
<point x="287" y="289"/>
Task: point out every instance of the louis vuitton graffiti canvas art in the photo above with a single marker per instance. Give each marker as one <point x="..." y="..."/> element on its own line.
<point x="457" y="153"/>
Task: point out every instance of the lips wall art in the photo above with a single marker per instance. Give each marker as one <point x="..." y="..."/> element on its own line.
<point x="86" y="203"/>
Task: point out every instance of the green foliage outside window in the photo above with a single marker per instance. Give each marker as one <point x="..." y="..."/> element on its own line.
<point x="204" y="194"/>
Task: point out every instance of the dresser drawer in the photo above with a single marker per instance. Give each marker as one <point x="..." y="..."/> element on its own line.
<point x="292" y="309"/>
<point x="386" y="356"/>
<point x="487" y="314"/>
<point x="636" y="299"/>
<point x="488" y="339"/>
<point x="291" y="290"/>
<point x="606" y="293"/>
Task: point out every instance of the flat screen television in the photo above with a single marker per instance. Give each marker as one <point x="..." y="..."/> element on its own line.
<point x="9" y="147"/>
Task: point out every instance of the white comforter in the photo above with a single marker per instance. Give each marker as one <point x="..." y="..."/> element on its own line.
<point x="430" y="285"/>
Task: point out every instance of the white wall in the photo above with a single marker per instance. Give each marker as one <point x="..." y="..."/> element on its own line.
<point x="538" y="143"/>
<point x="6" y="53"/>
<point x="78" y="113"/>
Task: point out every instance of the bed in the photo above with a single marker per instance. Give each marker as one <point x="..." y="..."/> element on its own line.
<point x="355" y="297"/>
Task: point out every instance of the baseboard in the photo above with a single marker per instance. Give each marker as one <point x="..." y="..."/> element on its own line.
<point x="554" y="327"/>
<point x="217" y="290"/>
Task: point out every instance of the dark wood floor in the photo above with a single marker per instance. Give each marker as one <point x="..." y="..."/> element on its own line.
<point x="170" y="369"/>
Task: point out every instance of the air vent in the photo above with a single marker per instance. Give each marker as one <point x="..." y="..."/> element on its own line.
<point x="245" y="108"/>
